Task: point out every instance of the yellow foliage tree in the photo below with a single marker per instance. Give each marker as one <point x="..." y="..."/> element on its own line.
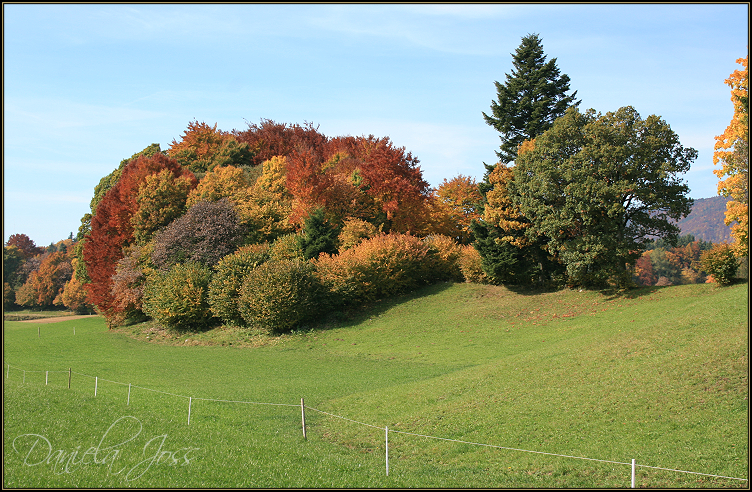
<point x="732" y="153"/>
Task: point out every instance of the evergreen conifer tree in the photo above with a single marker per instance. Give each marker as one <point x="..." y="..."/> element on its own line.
<point x="534" y="95"/>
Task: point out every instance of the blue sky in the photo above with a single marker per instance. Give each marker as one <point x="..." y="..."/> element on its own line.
<point x="87" y="85"/>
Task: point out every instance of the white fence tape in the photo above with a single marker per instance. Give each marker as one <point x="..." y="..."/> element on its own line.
<point x="633" y="464"/>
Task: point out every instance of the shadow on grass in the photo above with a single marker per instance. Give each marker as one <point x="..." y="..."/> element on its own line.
<point x="359" y="313"/>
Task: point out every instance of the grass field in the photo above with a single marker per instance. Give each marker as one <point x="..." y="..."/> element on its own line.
<point x="659" y="376"/>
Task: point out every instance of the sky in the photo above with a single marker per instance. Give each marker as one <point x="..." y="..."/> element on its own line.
<point x="88" y="85"/>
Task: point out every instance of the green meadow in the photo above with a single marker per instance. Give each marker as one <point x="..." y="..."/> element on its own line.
<point x="479" y="386"/>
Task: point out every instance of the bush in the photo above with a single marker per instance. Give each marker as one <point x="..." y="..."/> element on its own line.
<point x="224" y="288"/>
<point x="380" y="267"/>
<point x="281" y="295"/>
<point x="721" y="263"/>
<point x="354" y="231"/>
<point x="286" y="247"/>
<point x="471" y="265"/>
<point x="179" y="297"/>
<point x="446" y="261"/>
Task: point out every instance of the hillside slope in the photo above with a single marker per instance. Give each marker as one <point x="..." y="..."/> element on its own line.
<point x="705" y="222"/>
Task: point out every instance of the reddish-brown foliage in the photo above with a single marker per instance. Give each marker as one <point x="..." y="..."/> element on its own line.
<point x="25" y="244"/>
<point x="112" y="229"/>
<point x="270" y="139"/>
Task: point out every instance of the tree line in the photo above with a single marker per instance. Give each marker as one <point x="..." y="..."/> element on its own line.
<point x="278" y="224"/>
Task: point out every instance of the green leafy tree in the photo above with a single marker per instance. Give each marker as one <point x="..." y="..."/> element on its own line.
<point x="533" y="96"/>
<point x="596" y="187"/>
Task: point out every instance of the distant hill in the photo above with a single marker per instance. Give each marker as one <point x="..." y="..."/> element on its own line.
<point x="705" y="222"/>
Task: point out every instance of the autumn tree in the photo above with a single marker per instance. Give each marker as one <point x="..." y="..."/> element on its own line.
<point x="360" y="177"/>
<point x="47" y="283"/>
<point x="459" y="201"/>
<point x="732" y="153"/>
<point x="532" y="98"/>
<point x="597" y="187"/>
<point x="100" y="190"/>
<point x="269" y="139"/>
<point x="203" y="147"/>
<point x="205" y="234"/>
<point x="112" y="227"/>
<point x="161" y="199"/>
<point x="74" y="295"/>
<point x="25" y="245"/>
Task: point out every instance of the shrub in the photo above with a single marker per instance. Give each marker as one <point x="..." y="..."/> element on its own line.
<point x="446" y="261"/>
<point x="471" y="265"/>
<point x="178" y="298"/>
<point x="280" y="295"/>
<point x="354" y="231"/>
<point x="224" y="288"/>
<point x="383" y="266"/>
<point x="208" y="232"/>
<point x="286" y="247"/>
<point x="721" y="263"/>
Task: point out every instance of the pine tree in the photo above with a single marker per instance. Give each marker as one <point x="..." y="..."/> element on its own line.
<point x="533" y="96"/>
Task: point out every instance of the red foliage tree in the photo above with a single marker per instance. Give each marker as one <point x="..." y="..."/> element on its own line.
<point x="25" y="244"/>
<point x="369" y="178"/>
<point x="270" y="139"/>
<point x="112" y="228"/>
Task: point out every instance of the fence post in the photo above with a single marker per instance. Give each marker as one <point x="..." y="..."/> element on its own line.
<point x="190" y="400"/>
<point x="633" y="473"/>
<point x="46" y="377"/>
<point x="302" y="412"/>
<point x="386" y="429"/>
<point x="129" y="394"/>
<point x="96" y="383"/>
<point x="70" y="373"/>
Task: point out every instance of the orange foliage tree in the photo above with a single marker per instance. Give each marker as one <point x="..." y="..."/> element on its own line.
<point x="458" y="200"/>
<point x="732" y="153"/>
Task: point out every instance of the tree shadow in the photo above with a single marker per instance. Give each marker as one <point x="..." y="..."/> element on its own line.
<point x="360" y="313"/>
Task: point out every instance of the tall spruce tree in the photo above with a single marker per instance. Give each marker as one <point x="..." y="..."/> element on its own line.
<point x="534" y="95"/>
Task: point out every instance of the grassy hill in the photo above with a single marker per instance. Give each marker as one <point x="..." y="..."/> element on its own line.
<point x="705" y="222"/>
<point x="660" y="376"/>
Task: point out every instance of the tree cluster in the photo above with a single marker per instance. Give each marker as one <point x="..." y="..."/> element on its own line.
<point x="176" y="235"/>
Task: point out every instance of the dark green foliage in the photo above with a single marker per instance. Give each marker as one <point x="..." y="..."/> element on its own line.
<point x="12" y="260"/>
<point x="179" y="297"/>
<point x="228" y="278"/>
<point x="721" y="263"/>
<point x="319" y="235"/>
<point x="597" y="187"/>
<point x="533" y="96"/>
<point x="281" y="295"/>
<point x="206" y="233"/>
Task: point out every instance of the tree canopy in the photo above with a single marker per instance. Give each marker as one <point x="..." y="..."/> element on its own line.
<point x="598" y="187"/>
<point x="732" y="153"/>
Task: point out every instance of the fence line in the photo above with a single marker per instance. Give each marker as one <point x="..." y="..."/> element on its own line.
<point x="633" y="464"/>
